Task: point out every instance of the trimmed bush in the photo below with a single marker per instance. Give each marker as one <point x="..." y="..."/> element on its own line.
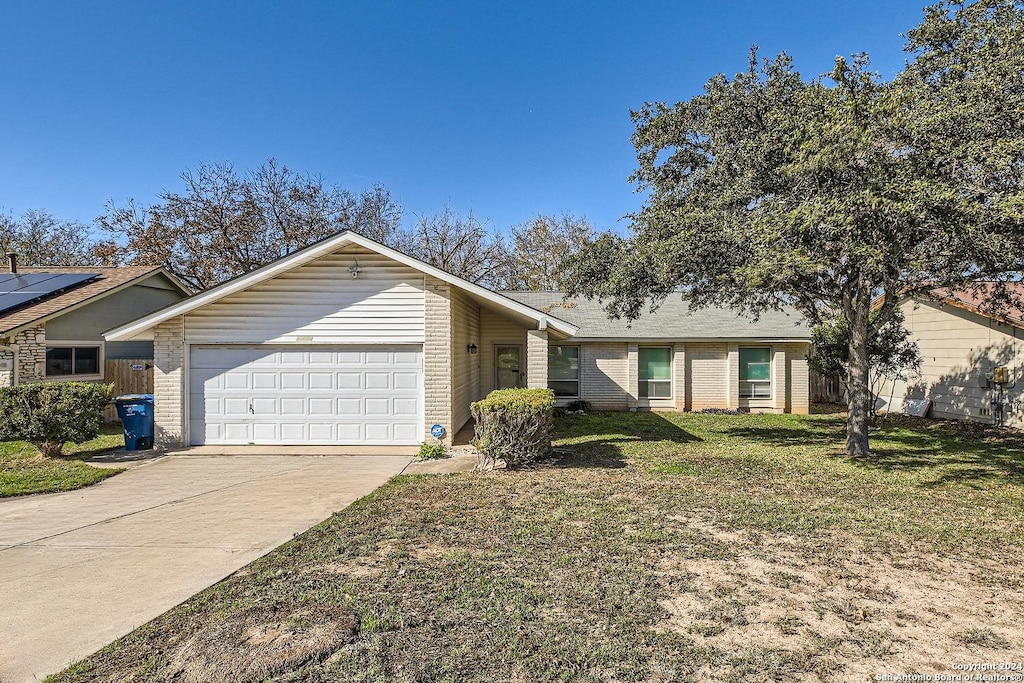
<point x="514" y="425"/>
<point x="49" y="414"/>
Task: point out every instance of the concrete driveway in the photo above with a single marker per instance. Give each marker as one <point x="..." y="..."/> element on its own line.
<point x="79" y="569"/>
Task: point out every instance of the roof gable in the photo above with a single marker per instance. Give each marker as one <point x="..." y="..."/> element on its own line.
<point x="314" y="252"/>
<point x="110" y="280"/>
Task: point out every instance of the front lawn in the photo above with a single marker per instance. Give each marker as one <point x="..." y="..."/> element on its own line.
<point x="666" y="547"/>
<point x="23" y="470"/>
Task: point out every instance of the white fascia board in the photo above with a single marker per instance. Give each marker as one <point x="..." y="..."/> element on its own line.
<point x="693" y="340"/>
<point x="243" y="282"/>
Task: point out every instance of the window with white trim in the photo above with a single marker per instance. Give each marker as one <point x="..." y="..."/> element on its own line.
<point x="655" y="378"/>
<point x="564" y="371"/>
<point x="756" y="372"/>
<point x="70" y="360"/>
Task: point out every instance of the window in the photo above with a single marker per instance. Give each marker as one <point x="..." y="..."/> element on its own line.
<point x="655" y="372"/>
<point x="756" y="372"/>
<point x="564" y="371"/>
<point x="73" y="361"/>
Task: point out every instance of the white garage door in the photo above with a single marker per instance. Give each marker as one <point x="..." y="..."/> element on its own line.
<point x="306" y="395"/>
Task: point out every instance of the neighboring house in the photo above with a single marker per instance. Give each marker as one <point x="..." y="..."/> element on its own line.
<point x="350" y="342"/>
<point x="52" y="320"/>
<point x="675" y="358"/>
<point x="961" y="345"/>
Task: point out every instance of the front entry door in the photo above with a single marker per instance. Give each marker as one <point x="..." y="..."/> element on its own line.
<point x="508" y="366"/>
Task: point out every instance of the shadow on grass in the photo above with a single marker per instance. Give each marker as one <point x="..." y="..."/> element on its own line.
<point x="596" y="440"/>
<point x="943" y="452"/>
<point x="814" y="434"/>
<point x="976" y="467"/>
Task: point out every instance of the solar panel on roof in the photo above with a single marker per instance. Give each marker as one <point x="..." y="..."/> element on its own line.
<point x="18" y="290"/>
<point x="35" y="282"/>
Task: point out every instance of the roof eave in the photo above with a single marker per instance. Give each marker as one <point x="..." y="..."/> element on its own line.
<point x="136" y="327"/>
<point x="160" y="270"/>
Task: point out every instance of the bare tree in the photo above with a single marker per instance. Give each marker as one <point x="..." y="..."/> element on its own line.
<point x="225" y="224"/>
<point x="461" y="245"/>
<point x="40" y="239"/>
<point x="539" y="250"/>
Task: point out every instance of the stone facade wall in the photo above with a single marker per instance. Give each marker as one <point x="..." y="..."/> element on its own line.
<point x="31" y="356"/>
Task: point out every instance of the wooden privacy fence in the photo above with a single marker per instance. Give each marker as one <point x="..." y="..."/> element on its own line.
<point x="826" y="389"/>
<point x="128" y="377"/>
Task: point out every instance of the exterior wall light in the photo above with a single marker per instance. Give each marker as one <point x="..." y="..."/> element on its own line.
<point x="472" y="349"/>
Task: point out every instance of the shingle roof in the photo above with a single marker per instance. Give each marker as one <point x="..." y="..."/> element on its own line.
<point x="978" y="301"/>
<point x="672" y="321"/>
<point x="109" y="279"/>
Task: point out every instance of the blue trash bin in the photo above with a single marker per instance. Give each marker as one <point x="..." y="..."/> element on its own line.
<point x="136" y="413"/>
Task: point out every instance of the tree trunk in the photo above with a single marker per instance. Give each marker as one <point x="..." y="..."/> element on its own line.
<point x="858" y="390"/>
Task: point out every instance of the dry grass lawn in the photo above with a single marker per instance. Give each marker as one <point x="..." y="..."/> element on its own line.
<point x="23" y="470"/>
<point x="664" y="547"/>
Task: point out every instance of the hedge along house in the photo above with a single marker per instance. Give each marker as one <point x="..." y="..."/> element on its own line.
<point x="349" y="342"/>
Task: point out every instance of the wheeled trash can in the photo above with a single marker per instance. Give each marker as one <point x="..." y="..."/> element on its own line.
<point x="136" y="413"/>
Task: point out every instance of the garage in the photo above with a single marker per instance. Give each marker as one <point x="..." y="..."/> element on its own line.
<point x="289" y="395"/>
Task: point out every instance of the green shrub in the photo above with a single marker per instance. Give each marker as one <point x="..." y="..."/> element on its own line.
<point x="51" y="413"/>
<point x="579" y="407"/>
<point x="432" y="452"/>
<point x="514" y="425"/>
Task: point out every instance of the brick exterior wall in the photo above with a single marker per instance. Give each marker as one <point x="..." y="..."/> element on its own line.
<point x="780" y="379"/>
<point x="680" y="391"/>
<point x="537" y="359"/>
<point x="708" y="368"/>
<point x="168" y="382"/>
<point x="437" y="358"/>
<point x="633" y="374"/>
<point x="604" y="377"/>
<point x="732" y="396"/>
<point x="798" y="379"/>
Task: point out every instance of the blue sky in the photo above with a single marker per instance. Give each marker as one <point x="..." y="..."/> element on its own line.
<point x="504" y="108"/>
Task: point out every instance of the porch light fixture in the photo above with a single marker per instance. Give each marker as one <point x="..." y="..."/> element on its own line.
<point x="472" y="349"/>
<point x="354" y="269"/>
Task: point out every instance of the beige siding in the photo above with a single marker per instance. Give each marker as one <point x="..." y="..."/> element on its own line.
<point x="465" y="366"/>
<point x="320" y="303"/>
<point x="537" y="359"/>
<point x="496" y="329"/>
<point x="90" y="321"/>
<point x="604" y="375"/>
<point x="708" y="370"/>
<point x="957" y="349"/>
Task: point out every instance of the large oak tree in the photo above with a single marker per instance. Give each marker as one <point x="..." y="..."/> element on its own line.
<point x="833" y="193"/>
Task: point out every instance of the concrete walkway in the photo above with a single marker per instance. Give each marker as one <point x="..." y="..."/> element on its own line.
<point x="81" y="568"/>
